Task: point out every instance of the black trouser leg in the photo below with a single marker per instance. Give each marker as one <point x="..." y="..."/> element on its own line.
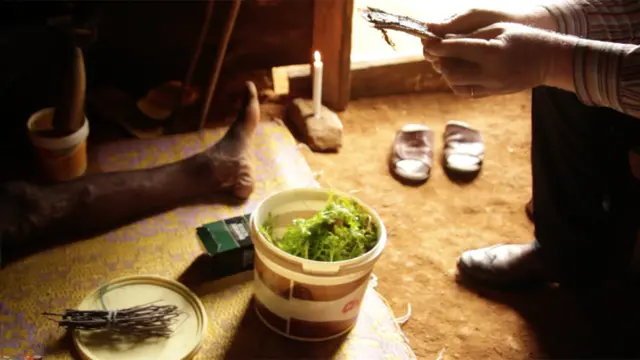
<point x="585" y="197"/>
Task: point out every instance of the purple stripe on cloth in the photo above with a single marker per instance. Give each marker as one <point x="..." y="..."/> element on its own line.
<point x="167" y="245"/>
<point x="17" y="331"/>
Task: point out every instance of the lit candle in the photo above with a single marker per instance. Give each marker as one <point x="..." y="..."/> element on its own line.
<point x="317" y="84"/>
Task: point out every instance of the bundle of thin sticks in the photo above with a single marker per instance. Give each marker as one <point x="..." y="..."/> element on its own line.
<point x="384" y="21"/>
<point x="143" y="320"/>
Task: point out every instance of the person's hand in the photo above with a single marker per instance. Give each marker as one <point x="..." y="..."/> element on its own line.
<point x="474" y="19"/>
<point x="498" y="59"/>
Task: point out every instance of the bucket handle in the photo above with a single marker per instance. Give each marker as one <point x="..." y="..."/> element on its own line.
<point x="320" y="269"/>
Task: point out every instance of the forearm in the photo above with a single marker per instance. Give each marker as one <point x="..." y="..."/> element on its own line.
<point x="600" y="73"/>
<point x="607" y="20"/>
<point x="560" y="65"/>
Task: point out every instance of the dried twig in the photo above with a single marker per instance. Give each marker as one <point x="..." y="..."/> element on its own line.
<point x="142" y="320"/>
<point x="386" y="37"/>
<point x="383" y="21"/>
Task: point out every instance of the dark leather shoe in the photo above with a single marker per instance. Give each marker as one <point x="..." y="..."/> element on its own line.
<point x="505" y="265"/>
<point x="529" y="209"/>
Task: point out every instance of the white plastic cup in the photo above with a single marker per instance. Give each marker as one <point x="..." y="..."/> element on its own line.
<point x="62" y="158"/>
<point x="304" y="299"/>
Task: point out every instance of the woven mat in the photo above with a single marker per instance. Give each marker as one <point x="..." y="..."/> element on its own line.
<point x="167" y="245"/>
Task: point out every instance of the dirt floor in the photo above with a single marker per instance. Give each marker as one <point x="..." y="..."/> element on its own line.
<point x="430" y="225"/>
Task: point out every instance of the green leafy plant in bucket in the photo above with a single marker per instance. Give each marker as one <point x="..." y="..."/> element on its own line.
<point x="343" y="230"/>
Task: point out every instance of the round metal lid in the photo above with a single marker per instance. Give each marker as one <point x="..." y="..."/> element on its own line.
<point x="129" y="291"/>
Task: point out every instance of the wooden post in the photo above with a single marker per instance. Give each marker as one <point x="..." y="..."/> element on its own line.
<point x="332" y="23"/>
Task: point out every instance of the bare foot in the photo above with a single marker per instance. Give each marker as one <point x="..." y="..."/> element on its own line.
<point x="231" y="157"/>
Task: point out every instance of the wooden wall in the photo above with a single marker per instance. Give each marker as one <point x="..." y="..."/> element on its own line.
<point x="141" y="44"/>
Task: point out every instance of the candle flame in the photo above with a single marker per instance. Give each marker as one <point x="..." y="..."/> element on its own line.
<point x="316" y="56"/>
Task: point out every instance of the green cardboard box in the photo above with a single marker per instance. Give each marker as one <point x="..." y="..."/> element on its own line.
<point x="229" y="243"/>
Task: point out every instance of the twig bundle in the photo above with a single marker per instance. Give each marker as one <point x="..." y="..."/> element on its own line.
<point x="143" y="320"/>
<point x="384" y="21"/>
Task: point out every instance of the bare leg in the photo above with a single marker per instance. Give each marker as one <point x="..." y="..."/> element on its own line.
<point x="101" y="201"/>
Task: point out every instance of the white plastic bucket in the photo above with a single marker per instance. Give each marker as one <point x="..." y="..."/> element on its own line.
<point x="305" y="299"/>
<point x="62" y="158"/>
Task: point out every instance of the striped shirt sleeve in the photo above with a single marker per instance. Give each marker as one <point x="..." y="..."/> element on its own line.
<point x="607" y="58"/>
<point x="608" y="74"/>
<point x="606" y="20"/>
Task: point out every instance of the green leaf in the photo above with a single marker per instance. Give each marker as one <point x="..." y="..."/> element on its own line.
<point x="340" y="231"/>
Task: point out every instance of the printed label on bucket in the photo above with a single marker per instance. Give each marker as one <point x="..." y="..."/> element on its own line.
<point x="350" y="306"/>
<point x="288" y="289"/>
<point x="311" y="310"/>
<point x="307" y="319"/>
<point x="306" y="311"/>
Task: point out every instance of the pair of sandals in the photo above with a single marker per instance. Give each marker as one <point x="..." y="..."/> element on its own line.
<point x="412" y="154"/>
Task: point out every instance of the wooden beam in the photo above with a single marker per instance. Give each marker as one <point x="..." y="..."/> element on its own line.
<point x="332" y="23"/>
<point x="377" y="77"/>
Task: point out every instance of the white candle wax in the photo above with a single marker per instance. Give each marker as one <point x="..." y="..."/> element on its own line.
<point x="317" y="84"/>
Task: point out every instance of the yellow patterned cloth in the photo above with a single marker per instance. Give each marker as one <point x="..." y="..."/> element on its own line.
<point x="167" y="245"/>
